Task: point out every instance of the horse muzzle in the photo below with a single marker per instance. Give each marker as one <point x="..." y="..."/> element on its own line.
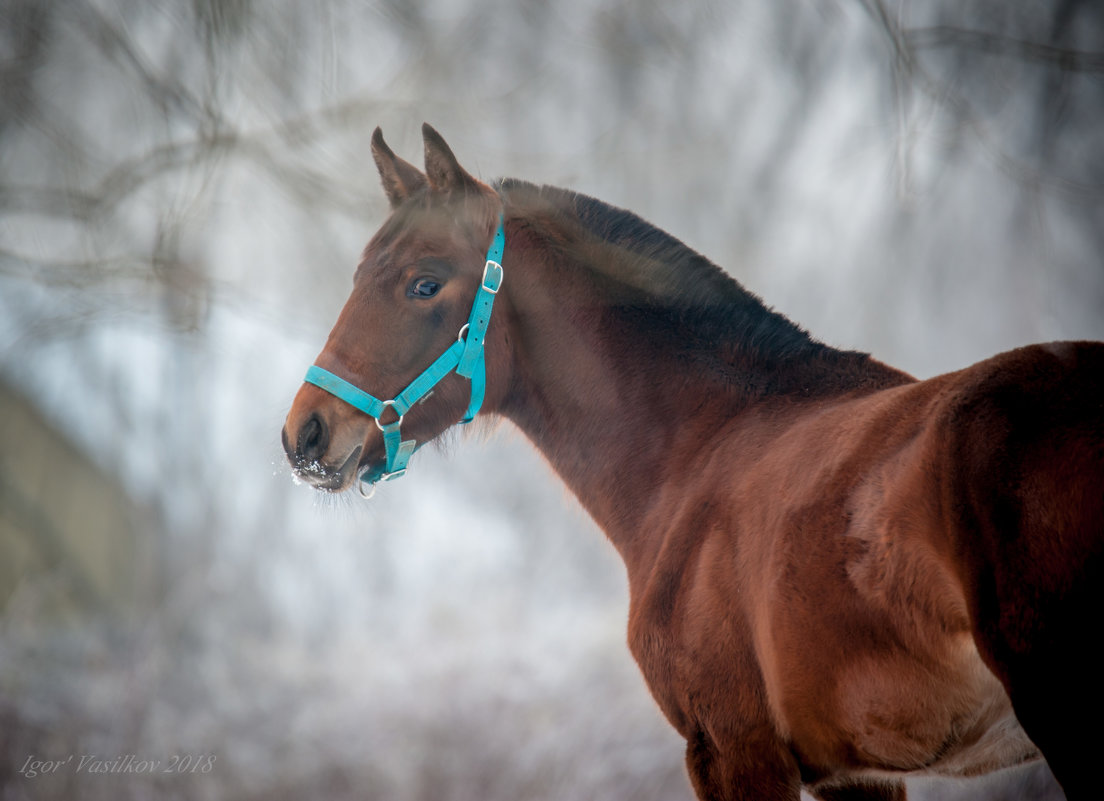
<point x="323" y="442"/>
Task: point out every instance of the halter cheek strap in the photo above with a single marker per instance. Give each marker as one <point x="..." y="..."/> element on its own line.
<point x="465" y="356"/>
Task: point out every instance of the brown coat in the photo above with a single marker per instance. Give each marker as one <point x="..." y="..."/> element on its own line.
<point x="839" y="575"/>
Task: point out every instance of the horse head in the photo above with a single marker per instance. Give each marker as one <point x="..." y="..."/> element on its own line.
<point x="406" y="358"/>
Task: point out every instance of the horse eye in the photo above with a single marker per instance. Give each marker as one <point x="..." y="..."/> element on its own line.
<point x="424" y="288"/>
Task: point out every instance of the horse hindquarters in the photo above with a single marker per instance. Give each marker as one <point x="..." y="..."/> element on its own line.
<point x="1026" y="462"/>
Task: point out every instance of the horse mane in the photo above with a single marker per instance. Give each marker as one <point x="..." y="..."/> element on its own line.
<point x="672" y="289"/>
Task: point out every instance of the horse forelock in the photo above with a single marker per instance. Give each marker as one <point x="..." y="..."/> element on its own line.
<point x="471" y="215"/>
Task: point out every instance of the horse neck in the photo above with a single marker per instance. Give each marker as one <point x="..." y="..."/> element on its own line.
<point x="621" y="394"/>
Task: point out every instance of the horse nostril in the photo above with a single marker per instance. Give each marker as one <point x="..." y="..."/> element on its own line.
<point x="314" y="439"/>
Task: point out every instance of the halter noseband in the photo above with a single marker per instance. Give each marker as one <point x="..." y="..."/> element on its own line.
<point x="465" y="356"/>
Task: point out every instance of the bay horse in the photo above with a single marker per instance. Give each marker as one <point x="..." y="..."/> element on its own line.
<point x="839" y="575"/>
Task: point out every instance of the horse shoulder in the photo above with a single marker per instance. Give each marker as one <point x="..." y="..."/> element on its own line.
<point x="740" y="610"/>
<point x="859" y="619"/>
<point x="856" y="602"/>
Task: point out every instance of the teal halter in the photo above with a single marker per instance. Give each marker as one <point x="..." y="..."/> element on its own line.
<point x="465" y="356"/>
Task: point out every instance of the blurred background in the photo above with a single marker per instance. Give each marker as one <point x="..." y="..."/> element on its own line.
<point x="184" y="191"/>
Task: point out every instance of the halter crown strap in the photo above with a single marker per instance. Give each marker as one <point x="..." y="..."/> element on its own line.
<point x="465" y="356"/>
<point x="480" y="315"/>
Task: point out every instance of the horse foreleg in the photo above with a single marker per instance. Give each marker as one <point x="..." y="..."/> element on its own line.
<point x="757" y="768"/>
<point x="868" y="790"/>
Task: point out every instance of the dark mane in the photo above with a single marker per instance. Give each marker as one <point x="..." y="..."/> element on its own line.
<point x="679" y="293"/>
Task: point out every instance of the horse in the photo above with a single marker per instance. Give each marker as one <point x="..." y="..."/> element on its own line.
<point x="839" y="575"/>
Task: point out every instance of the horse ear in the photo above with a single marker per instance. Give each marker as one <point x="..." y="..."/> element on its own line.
<point x="442" y="169"/>
<point x="400" y="178"/>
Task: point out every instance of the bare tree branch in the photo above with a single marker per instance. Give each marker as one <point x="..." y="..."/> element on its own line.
<point x="1062" y="58"/>
<point x="908" y="70"/>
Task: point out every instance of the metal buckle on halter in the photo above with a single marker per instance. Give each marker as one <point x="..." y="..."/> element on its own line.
<point x="497" y="275"/>
<point x="397" y="474"/>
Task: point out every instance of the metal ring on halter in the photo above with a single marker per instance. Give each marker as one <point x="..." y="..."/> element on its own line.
<point x="463" y="333"/>
<point x="360" y="486"/>
<point x="385" y="404"/>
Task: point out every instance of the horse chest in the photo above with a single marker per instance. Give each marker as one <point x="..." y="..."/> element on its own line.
<point x="692" y="644"/>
